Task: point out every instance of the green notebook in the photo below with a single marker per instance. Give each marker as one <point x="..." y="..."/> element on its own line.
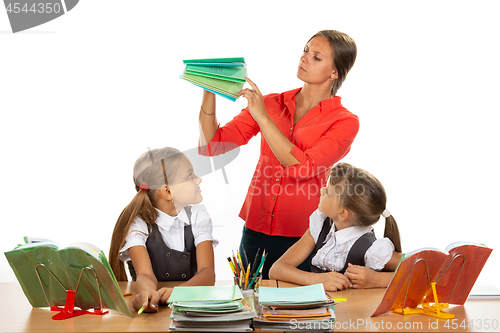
<point x="208" y="294"/>
<point x="230" y="88"/>
<point x="298" y="295"/>
<point x="236" y="74"/>
<point x="65" y="264"/>
<point x="225" y="62"/>
<point x="220" y="307"/>
<point x="222" y="76"/>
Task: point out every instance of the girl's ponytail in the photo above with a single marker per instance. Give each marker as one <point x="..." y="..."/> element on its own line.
<point x="391" y="231"/>
<point x="139" y="206"/>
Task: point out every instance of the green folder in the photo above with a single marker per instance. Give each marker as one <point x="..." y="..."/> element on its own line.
<point x="222" y="76"/>
<point x="66" y="265"/>
<point x="212" y="307"/>
<point x="298" y="295"/>
<point x="236" y="61"/>
<point x="222" y="86"/>
<point x="236" y="74"/>
<point x="208" y="294"/>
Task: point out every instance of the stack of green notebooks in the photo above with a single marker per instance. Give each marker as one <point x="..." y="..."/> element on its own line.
<point x="222" y="76"/>
<point x="306" y="308"/>
<point x="210" y="309"/>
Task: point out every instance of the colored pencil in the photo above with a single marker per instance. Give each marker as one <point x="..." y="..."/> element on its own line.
<point x="254" y="266"/>
<point x="245" y="258"/>
<point x="246" y="277"/>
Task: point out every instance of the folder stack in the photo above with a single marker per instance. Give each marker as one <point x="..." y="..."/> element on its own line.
<point x="307" y="308"/>
<point x="212" y="308"/>
<point x="222" y="76"/>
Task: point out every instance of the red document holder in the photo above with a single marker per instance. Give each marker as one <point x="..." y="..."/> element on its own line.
<point x="427" y="281"/>
<point x="69" y="311"/>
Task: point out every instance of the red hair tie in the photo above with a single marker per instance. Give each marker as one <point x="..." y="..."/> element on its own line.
<point x="143" y="186"/>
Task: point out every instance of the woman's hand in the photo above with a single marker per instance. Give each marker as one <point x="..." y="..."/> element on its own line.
<point x="277" y="141"/>
<point x="255" y="102"/>
<point x="147" y="299"/>
<point x="333" y="281"/>
<point x="164" y="294"/>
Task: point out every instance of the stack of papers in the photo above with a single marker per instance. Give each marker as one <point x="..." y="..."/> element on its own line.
<point x="222" y="76"/>
<point x="210" y="309"/>
<point x="306" y="308"/>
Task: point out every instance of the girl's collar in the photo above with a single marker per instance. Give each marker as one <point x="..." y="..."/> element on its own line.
<point x="349" y="233"/>
<point x="166" y="221"/>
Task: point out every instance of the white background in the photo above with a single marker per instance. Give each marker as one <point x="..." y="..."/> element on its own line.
<point x="83" y="96"/>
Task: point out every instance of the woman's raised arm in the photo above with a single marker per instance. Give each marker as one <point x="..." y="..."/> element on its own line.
<point x="208" y="118"/>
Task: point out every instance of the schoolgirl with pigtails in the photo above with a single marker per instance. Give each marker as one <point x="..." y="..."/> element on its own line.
<point x="164" y="233"/>
<point x="344" y="250"/>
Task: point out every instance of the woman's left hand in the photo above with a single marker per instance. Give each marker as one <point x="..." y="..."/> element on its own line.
<point x="255" y="101"/>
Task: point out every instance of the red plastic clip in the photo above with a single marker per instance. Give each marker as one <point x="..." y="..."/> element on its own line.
<point x="69" y="310"/>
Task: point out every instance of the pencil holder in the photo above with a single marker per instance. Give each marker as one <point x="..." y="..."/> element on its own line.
<point x="247" y="293"/>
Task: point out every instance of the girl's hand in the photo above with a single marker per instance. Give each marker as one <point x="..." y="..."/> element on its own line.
<point x="147" y="299"/>
<point x="255" y="101"/>
<point x="362" y="277"/>
<point x="164" y="294"/>
<point x="333" y="281"/>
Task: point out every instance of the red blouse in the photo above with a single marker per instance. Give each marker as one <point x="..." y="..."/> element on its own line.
<point x="280" y="200"/>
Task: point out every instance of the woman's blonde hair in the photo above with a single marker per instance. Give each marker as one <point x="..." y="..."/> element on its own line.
<point x="364" y="196"/>
<point x="154" y="169"/>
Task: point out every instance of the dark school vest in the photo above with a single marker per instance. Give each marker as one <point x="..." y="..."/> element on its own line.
<point x="169" y="264"/>
<point x="356" y="255"/>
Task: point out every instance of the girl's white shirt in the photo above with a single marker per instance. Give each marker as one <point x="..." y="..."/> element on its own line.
<point x="172" y="230"/>
<point x="333" y="255"/>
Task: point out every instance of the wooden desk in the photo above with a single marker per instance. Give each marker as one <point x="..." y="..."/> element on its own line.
<point x="17" y="315"/>
<point x="354" y="314"/>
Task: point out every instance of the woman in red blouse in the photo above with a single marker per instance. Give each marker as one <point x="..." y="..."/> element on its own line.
<point x="304" y="132"/>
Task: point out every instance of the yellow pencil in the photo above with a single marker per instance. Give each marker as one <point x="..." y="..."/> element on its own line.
<point x="235" y="263"/>
<point x="240" y="262"/>
<point x="336" y="299"/>
<point x="231" y="265"/>
<point x="142" y="309"/>
<point x="258" y="283"/>
<point x="239" y="256"/>
<point x="246" y="277"/>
